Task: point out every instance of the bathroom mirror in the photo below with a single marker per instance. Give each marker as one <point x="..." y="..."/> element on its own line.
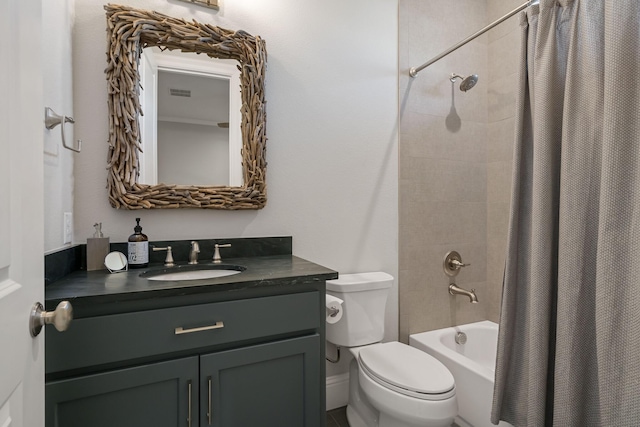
<point x="190" y="131"/>
<point x="131" y="30"/>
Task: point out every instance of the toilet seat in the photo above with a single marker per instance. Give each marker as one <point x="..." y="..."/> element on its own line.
<point x="407" y="370"/>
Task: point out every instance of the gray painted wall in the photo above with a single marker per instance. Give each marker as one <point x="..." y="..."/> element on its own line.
<point x="332" y="94"/>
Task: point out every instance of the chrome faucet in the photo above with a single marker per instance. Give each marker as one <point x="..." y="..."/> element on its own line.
<point x="455" y="290"/>
<point x="195" y="250"/>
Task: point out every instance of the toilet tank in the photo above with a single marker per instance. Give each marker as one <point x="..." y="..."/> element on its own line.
<point x="365" y="298"/>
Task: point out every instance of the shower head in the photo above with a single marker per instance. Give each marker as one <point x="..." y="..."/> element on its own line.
<point x="467" y="82"/>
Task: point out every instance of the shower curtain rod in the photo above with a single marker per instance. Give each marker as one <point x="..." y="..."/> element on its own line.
<point x="415" y="70"/>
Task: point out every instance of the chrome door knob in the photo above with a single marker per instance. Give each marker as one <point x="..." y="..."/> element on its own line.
<point x="59" y="318"/>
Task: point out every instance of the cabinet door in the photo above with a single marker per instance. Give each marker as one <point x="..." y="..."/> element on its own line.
<point x="275" y="384"/>
<point x="149" y="395"/>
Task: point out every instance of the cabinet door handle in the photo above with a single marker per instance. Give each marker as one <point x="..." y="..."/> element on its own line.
<point x="209" y="414"/>
<point x="180" y="330"/>
<point x="189" y="413"/>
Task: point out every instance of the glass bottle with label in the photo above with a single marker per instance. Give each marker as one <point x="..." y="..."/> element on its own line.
<point x="138" y="248"/>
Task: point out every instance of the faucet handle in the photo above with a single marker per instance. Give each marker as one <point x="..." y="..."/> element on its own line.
<point x="452" y="263"/>
<point x="216" y="253"/>
<point x="168" y="261"/>
<point x="458" y="264"/>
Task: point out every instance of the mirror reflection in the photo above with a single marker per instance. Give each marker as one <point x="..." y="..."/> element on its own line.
<point x="190" y="130"/>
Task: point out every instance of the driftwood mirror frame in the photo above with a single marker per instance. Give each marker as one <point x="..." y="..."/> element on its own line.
<point x="129" y="30"/>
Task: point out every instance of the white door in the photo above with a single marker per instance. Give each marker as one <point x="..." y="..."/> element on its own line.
<point x="21" y="212"/>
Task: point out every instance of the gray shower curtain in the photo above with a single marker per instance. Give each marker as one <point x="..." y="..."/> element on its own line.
<point x="569" y="342"/>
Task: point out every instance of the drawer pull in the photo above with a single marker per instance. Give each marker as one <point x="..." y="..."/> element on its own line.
<point x="209" y="414"/>
<point x="180" y="330"/>
<point x="189" y="414"/>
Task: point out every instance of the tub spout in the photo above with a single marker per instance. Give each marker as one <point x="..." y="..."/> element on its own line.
<point x="455" y="290"/>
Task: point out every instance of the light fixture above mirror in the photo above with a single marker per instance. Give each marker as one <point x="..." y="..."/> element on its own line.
<point x="130" y="31"/>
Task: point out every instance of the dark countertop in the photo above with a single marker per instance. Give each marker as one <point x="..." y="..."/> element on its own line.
<point x="100" y="292"/>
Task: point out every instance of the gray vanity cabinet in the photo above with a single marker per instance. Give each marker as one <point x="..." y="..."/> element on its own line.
<point x="267" y="385"/>
<point x="262" y="366"/>
<point x="149" y="395"/>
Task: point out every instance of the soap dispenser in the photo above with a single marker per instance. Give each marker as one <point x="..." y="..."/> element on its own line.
<point x="97" y="249"/>
<point x="138" y="248"/>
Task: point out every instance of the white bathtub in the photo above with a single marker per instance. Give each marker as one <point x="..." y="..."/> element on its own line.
<point x="472" y="365"/>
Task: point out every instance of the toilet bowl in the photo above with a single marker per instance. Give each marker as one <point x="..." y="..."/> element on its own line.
<point x="390" y="384"/>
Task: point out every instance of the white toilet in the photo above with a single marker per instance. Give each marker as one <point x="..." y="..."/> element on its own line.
<point x="390" y="384"/>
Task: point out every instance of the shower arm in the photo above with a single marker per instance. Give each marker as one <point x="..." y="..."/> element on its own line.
<point x="415" y="70"/>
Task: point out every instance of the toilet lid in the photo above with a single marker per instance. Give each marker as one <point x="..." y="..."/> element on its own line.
<point x="407" y="368"/>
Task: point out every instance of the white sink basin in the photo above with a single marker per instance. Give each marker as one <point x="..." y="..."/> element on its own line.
<point x="193" y="275"/>
<point x="192" y="272"/>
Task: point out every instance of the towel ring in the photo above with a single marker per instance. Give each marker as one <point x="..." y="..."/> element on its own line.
<point x="51" y="120"/>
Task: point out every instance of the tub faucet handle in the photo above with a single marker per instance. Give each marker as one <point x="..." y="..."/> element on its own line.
<point x="458" y="264"/>
<point x="453" y="263"/>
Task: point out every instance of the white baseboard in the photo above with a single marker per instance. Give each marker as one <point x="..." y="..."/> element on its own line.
<point x="337" y="391"/>
<point x="461" y="423"/>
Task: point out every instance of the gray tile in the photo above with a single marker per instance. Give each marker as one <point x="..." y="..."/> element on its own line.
<point x="498" y="220"/>
<point x="497" y="9"/>
<point x="504" y="56"/>
<point x="501" y="98"/>
<point x="499" y="176"/>
<point x="429" y="136"/>
<point x="443" y="222"/>
<point x="426" y="20"/>
<point x="444" y="180"/>
<point x="501" y="139"/>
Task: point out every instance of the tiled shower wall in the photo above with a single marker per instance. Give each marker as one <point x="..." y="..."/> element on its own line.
<point x="504" y="58"/>
<point x="455" y="159"/>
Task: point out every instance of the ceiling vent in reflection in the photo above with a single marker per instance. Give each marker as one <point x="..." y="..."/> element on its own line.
<point x="180" y="92"/>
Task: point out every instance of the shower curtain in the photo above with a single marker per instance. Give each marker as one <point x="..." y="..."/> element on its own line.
<point x="569" y="343"/>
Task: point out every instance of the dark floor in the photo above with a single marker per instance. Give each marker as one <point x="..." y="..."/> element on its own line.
<point x="337" y="417"/>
